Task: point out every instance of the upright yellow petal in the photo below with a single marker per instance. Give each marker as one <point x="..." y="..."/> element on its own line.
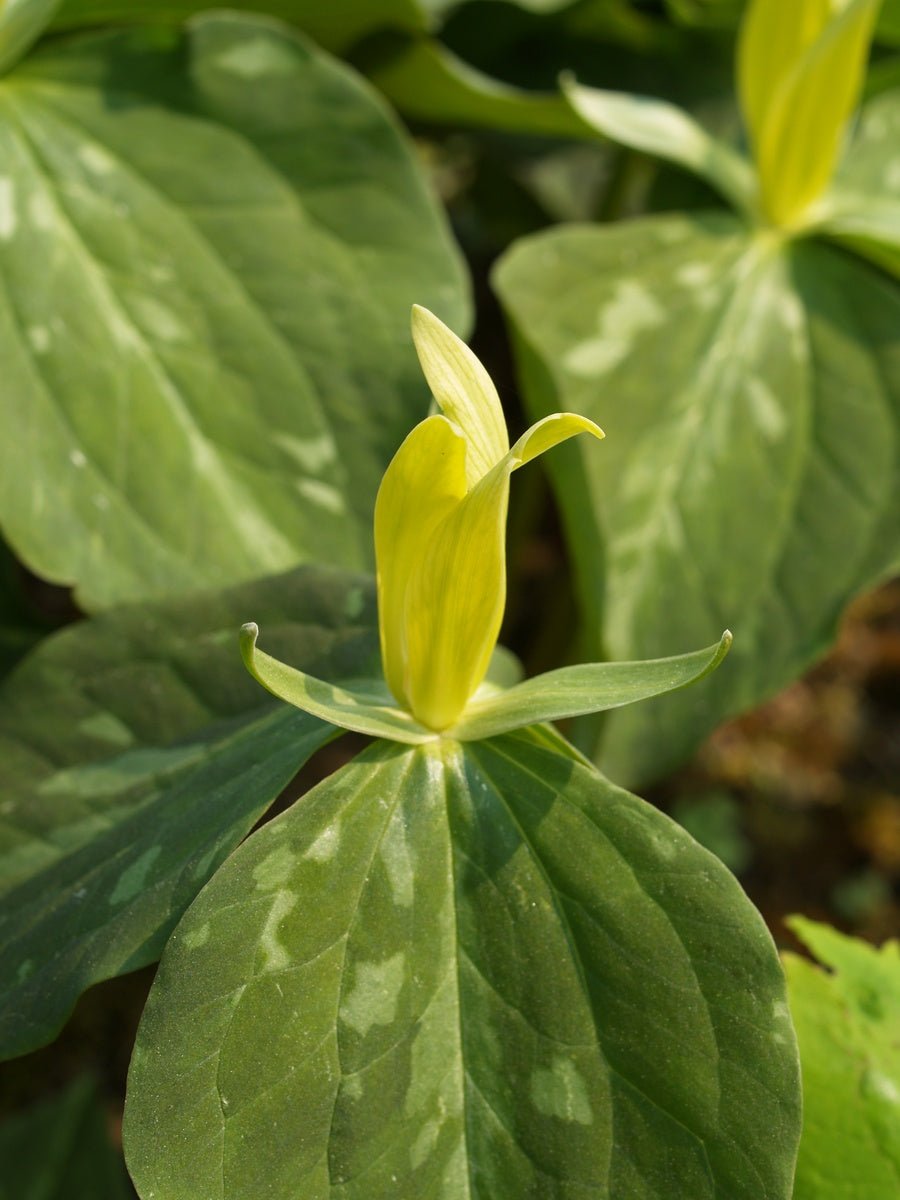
<point x="801" y="67"/>
<point x="464" y="391"/>
<point x="424" y="482"/>
<point x="457" y="591"/>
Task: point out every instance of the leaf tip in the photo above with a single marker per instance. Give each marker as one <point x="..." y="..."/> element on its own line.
<point x="248" y="635"/>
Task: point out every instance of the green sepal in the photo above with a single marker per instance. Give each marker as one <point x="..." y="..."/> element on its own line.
<point x="368" y="707"/>
<point x="666" y="131"/>
<point x="585" y="688"/>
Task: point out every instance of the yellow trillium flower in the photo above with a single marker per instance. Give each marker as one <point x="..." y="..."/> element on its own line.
<point x="801" y="66"/>
<point x="440" y="526"/>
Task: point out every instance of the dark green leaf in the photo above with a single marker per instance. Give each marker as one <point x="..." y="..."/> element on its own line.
<point x="749" y="389"/>
<point x="215" y="359"/>
<point x="847" y="1019"/>
<point x="465" y="972"/>
<point x="60" y="1150"/>
<point x="336" y="25"/>
<point x="135" y="753"/>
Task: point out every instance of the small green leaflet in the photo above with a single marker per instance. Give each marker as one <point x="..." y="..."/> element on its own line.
<point x="60" y="1149"/>
<point x="135" y="753"/>
<point x="467" y="971"/>
<point x="847" y="1019"/>
<point x="209" y="383"/>
<point x="750" y="392"/>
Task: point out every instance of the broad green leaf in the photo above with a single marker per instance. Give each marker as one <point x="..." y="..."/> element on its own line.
<point x="749" y="389"/>
<point x="21" y="23"/>
<point x="61" y="1150"/>
<point x="135" y="753"/>
<point x="863" y="208"/>
<point x="659" y="128"/>
<point x="427" y="82"/>
<point x="336" y="25"/>
<point x="847" y="1018"/>
<point x="464" y="972"/>
<point x="215" y="364"/>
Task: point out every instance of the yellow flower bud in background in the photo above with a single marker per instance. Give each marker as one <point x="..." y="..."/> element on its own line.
<point x="801" y="66"/>
<point x="440" y="529"/>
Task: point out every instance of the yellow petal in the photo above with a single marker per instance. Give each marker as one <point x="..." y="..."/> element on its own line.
<point x="464" y="391"/>
<point x="457" y="592"/>
<point x="425" y="480"/>
<point x="774" y="35"/>
<point x="801" y="67"/>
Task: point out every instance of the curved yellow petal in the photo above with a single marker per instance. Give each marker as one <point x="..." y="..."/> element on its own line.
<point x="464" y="391"/>
<point x="801" y="68"/>
<point x="424" y="482"/>
<point x="457" y="591"/>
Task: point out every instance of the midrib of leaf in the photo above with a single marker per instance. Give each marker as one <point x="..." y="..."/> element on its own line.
<point x="229" y="490"/>
<point x="408" y="764"/>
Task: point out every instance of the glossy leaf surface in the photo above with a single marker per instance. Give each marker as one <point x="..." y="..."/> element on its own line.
<point x="750" y="391"/>
<point x="847" y="1016"/>
<point x="60" y="1149"/>
<point x="215" y="365"/>
<point x="135" y="753"/>
<point x="467" y="972"/>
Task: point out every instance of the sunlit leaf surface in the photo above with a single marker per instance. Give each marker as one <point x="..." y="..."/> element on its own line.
<point x="210" y="369"/>
<point x="847" y="1018"/>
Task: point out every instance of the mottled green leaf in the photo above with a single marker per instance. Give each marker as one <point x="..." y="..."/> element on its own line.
<point x="749" y="388"/>
<point x="863" y="208"/>
<point x="135" y="753"/>
<point x="213" y="366"/>
<point x="336" y="25"/>
<point x="61" y="1150"/>
<point x="847" y="1020"/>
<point x="464" y="972"/>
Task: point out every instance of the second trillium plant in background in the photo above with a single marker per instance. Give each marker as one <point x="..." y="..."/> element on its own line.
<point x="465" y="964"/>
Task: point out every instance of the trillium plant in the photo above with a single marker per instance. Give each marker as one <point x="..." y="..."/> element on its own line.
<point x="465" y="965"/>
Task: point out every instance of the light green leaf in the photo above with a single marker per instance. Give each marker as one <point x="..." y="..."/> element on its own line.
<point x="427" y="82"/>
<point x="61" y="1150"/>
<point x="135" y="753"/>
<point x="336" y="25"/>
<point x="847" y="1020"/>
<point x="749" y="389"/>
<point x="585" y="688"/>
<point x="476" y="971"/>
<point x="664" y="130"/>
<point x="21" y="23"/>
<point x="863" y="208"/>
<point x="215" y="361"/>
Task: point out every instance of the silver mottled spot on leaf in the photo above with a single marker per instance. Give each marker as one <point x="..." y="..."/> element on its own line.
<point x="559" y="1091"/>
<point x="375" y="994"/>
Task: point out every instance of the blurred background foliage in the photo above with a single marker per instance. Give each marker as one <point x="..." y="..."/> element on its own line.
<point x="800" y="797"/>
